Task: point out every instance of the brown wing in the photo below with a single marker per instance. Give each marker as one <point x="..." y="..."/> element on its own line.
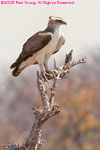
<point x="33" y="45"/>
<point x="36" y="43"/>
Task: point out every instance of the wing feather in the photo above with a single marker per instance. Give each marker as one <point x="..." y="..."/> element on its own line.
<point x="33" y="45"/>
<point x="36" y="43"/>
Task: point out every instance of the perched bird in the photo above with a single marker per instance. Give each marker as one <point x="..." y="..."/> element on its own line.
<point x="39" y="47"/>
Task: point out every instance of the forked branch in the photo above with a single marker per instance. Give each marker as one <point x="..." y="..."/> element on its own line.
<point x="50" y="109"/>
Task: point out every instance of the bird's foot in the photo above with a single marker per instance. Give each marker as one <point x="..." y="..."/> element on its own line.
<point x="44" y="76"/>
<point x="48" y="75"/>
<point x="48" y="71"/>
<point x="51" y="73"/>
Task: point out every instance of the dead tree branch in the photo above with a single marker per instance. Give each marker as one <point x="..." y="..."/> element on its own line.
<point x="64" y="70"/>
<point x="50" y="109"/>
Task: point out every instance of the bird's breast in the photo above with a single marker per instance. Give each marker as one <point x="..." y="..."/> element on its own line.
<point x="50" y="48"/>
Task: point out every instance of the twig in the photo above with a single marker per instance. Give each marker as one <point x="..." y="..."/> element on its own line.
<point x="65" y="69"/>
<point x="50" y="109"/>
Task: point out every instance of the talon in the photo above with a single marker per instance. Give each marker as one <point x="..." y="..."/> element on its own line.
<point x="53" y="73"/>
<point x="44" y="76"/>
<point x="48" y="74"/>
<point x="48" y="71"/>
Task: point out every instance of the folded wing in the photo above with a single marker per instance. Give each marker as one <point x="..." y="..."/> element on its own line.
<point x="33" y="45"/>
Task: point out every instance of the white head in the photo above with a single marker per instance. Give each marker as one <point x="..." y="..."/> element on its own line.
<point x="55" y="22"/>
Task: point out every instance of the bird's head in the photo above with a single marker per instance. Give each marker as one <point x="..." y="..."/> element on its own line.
<point x="56" y="21"/>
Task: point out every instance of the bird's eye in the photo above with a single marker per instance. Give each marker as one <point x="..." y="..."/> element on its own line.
<point x="58" y="21"/>
<point x="50" y="17"/>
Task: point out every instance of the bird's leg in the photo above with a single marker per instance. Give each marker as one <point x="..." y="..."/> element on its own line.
<point x="48" y="72"/>
<point x="42" y="68"/>
<point x="46" y="67"/>
<point x="43" y="73"/>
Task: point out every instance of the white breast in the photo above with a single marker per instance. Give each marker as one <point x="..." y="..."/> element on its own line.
<point x="50" y="48"/>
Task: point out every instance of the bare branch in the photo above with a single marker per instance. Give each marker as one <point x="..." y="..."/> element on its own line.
<point x="43" y="93"/>
<point x="65" y="69"/>
<point x="52" y="96"/>
<point x="50" y="109"/>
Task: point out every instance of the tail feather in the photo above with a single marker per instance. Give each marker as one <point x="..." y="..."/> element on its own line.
<point x="16" y="71"/>
<point x="15" y="64"/>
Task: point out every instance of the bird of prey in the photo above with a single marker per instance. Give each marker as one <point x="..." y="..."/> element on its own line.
<point x="39" y="47"/>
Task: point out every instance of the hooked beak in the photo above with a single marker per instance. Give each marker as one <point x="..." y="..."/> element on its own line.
<point x="63" y="22"/>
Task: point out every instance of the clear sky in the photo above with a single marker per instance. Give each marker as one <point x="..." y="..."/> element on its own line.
<point x="18" y="23"/>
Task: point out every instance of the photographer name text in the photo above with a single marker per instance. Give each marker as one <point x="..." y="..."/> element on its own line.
<point x="37" y="2"/>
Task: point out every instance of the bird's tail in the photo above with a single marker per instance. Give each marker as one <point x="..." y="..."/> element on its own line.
<point x="15" y="64"/>
<point x="16" y="70"/>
